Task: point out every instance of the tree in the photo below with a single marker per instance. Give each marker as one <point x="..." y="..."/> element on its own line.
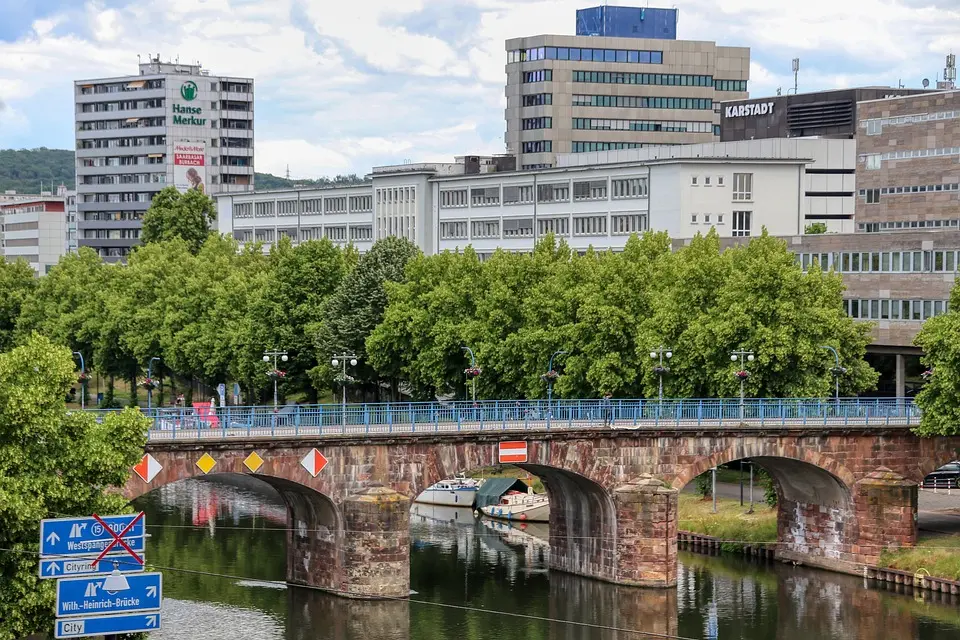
<point x="172" y="214"/>
<point x="815" y="228"/>
<point x="17" y="282"/>
<point x="52" y="463"/>
<point x="939" y="399"/>
<point x="356" y="308"/>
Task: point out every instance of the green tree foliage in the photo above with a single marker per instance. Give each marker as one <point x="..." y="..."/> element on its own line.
<point x="26" y="170"/>
<point x="608" y="310"/>
<point x="52" y="463"/>
<point x="815" y="228"/>
<point x="350" y="315"/>
<point x="172" y="215"/>
<point x="17" y="282"/>
<point x="940" y="396"/>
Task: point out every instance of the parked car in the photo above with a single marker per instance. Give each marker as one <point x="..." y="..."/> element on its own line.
<point x="946" y="476"/>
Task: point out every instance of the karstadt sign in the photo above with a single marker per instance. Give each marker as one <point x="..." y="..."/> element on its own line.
<point x="752" y="109"/>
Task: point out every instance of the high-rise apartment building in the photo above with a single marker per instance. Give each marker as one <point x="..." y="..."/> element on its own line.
<point x="173" y="124"/>
<point x="623" y="82"/>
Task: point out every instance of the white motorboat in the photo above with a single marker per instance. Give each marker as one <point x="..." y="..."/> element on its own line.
<point x="459" y="491"/>
<point x="525" y="507"/>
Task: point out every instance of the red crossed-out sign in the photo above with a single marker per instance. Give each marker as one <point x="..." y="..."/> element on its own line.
<point x="118" y="539"/>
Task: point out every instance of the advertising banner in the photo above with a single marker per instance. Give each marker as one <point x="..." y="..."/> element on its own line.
<point x="189" y="166"/>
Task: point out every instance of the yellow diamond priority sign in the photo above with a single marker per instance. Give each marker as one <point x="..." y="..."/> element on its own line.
<point x="206" y="463"/>
<point x="253" y="462"/>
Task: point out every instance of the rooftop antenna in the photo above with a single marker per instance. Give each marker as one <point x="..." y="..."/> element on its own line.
<point x="288" y="172"/>
<point x="796" y="73"/>
<point x="925" y="83"/>
<point x="950" y="72"/>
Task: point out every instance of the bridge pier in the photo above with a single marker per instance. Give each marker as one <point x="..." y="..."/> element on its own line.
<point x="646" y="533"/>
<point x="886" y="512"/>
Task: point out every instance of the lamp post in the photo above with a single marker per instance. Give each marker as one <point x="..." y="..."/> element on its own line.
<point x="744" y="357"/>
<point x="83" y="380"/>
<point x="283" y="358"/>
<point x="551" y="374"/>
<point x="661" y="351"/>
<point x="473" y="367"/>
<point x="750" y="462"/>
<point x="150" y="379"/>
<point x="837" y="371"/>
<point x="336" y="362"/>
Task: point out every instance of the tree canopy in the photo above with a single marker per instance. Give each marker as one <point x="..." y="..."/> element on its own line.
<point x="939" y="399"/>
<point x="187" y="216"/>
<point x="52" y="463"/>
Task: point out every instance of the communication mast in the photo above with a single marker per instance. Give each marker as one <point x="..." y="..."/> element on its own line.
<point x="949" y="73"/>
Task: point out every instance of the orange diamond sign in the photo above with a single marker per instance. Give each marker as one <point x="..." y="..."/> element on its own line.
<point x="206" y="463"/>
<point x="253" y="462"/>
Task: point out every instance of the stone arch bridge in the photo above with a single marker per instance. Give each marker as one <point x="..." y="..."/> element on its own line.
<point x="845" y="493"/>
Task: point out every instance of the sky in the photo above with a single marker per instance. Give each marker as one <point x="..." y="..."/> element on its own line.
<point x="345" y="86"/>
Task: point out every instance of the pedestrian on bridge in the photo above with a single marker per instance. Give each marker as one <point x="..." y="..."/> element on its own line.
<point x="606" y="406"/>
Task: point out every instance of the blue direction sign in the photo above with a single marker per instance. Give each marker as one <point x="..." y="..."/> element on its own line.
<point x="67" y="567"/>
<point x="105" y="625"/>
<point x="86" y="536"/>
<point x="86" y="596"/>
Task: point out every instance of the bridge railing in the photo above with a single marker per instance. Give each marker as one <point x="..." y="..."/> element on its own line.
<point x="509" y="415"/>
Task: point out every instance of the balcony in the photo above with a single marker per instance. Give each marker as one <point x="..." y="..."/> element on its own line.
<point x="139" y="94"/>
<point x="123" y="151"/>
<point x="236" y="171"/>
<point x="112" y="206"/>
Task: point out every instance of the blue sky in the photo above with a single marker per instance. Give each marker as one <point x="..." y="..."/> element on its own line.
<point x="342" y="87"/>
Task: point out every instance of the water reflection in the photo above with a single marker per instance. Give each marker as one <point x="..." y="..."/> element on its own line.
<point x="479" y="580"/>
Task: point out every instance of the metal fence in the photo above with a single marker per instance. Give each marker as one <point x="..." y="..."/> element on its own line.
<point x="512" y="415"/>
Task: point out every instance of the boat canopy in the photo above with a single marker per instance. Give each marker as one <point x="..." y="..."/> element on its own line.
<point x="493" y="489"/>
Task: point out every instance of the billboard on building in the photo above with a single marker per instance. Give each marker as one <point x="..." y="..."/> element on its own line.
<point x="189" y="166"/>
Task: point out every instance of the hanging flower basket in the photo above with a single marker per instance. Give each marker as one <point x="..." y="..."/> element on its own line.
<point x="661" y="370"/>
<point x="472" y="372"/>
<point x="83" y="377"/>
<point x="742" y="374"/>
<point x="276" y="374"/>
<point x="149" y="384"/>
<point x="926" y="374"/>
<point x="343" y="379"/>
<point x="550" y="376"/>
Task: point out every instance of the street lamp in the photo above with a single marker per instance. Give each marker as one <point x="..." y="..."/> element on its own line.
<point x="83" y="380"/>
<point x="837" y="371"/>
<point x="472" y="372"/>
<point x="744" y="357"/>
<point x="336" y="362"/>
<point x="275" y="374"/>
<point x="150" y="382"/>
<point x="660" y="369"/>
<point x="550" y="376"/>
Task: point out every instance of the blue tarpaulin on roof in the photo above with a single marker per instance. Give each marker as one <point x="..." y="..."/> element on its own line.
<point x="493" y="489"/>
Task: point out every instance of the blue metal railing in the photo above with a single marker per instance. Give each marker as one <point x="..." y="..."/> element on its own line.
<point x="511" y="415"/>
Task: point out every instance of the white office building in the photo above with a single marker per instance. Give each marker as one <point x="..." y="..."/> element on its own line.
<point x="590" y="200"/>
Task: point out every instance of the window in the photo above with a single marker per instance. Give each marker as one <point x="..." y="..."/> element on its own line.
<point x="693" y="218"/>
<point x="559" y="192"/>
<point x="335" y="234"/>
<point x="335" y="205"/>
<point x="263" y="209"/>
<point x="538" y="146"/>
<point x="454" y="230"/>
<point x="595" y="55"/>
<point x="693" y="181"/>
<point x="536" y="123"/>
<point x="485" y="197"/>
<point x="361" y="203"/>
<point x="541" y="75"/>
<point x="742" y="187"/>
<point x="623" y="188"/>
<point x="625" y="224"/>
<point x="310" y="233"/>
<point x="587" y="147"/>
<point x="719" y="181"/>
<point x="874" y="127"/>
<point x="517" y="227"/>
<point x="518" y="194"/>
<point x="312" y="205"/>
<point x="361" y="233"/>
<point x="537" y="99"/>
<point x="556" y="226"/>
<point x="485" y="228"/>
<point x="641" y="102"/>
<point x="590" y="190"/>
<point x="719" y="218"/>
<point x="287" y="207"/>
<point x="873" y="161"/>
<point x="706" y="218"/>
<point x="674" y="79"/>
<point x="706" y="181"/>
<point x="730" y="85"/>
<point x="873" y="196"/>
<point x="741" y="223"/>
<point x="605" y="124"/>
<point x="451" y="198"/>
<point x="590" y="225"/>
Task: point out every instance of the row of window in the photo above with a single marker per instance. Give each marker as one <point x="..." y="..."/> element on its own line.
<point x="666" y="79"/>
<point x="941" y="261"/>
<point x="730" y="85"/>
<point x="536" y="123"/>
<point x="875" y="227"/>
<point x="363" y="233"/>
<point x="122" y="105"/>
<point x="117" y="87"/>
<point x="539" y="75"/>
<point x="873" y="160"/>
<point x="604" y="124"/>
<point x="111" y="234"/>
<point x="896" y="191"/>
<point x="127" y="123"/>
<point x="582" y="54"/>
<point x="587" y="147"/>
<point x="589" y="225"/>
<point x="895" y="309"/>
<point x="641" y="102"/>
<point x="538" y="146"/>
<point x="125" y="178"/>
<point x="397" y="195"/>
<point x="874" y="126"/>
<point x="583" y="190"/>
<point x="123" y="161"/>
<point x="112" y="216"/>
<point x="537" y="99"/>
<point x="118" y="197"/>
<point x="335" y="204"/>
<point x="706" y="181"/>
<point x="122" y="143"/>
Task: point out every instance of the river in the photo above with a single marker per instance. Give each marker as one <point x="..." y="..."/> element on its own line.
<point x="221" y="547"/>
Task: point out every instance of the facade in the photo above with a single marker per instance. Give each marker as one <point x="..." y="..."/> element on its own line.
<point x="830" y="114"/>
<point x="173" y="124"/>
<point x="583" y="93"/>
<point x="34" y="230"/>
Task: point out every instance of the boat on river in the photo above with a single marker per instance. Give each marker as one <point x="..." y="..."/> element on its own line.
<point x="458" y="491"/>
<point x="525" y="507"/>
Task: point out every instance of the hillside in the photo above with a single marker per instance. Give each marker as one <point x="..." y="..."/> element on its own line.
<point x="23" y="170"/>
